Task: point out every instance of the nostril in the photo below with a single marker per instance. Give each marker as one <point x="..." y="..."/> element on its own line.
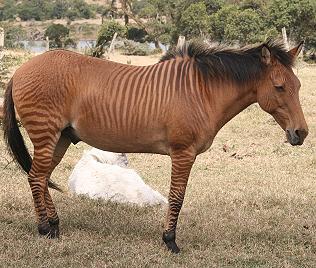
<point x="301" y="133"/>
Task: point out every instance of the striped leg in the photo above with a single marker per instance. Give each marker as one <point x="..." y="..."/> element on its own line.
<point x="43" y="154"/>
<point x="182" y="162"/>
<point x="59" y="152"/>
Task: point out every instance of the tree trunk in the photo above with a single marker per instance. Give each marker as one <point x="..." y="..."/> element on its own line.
<point x="126" y="19"/>
<point x="156" y="42"/>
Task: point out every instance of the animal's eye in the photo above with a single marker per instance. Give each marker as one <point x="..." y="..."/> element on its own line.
<point x="279" y="88"/>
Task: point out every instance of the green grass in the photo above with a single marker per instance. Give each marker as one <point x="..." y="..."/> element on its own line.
<point x="250" y="205"/>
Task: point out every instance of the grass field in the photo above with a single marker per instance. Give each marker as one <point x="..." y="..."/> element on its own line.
<point x="251" y="202"/>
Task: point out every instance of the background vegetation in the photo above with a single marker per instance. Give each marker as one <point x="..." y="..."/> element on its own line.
<point x="232" y="21"/>
<point x="45" y="9"/>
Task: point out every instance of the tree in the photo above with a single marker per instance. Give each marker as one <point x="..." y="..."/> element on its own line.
<point x="194" y="21"/>
<point x="219" y="20"/>
<point x="13" y="35"/>
<point x="158" y="30"/>
<point x="106" y="32"/>
<point x="245" y="27"/>
<point x="297" y="16"/>
<point x="57" y="33"/>
<point x="8" y="10"/>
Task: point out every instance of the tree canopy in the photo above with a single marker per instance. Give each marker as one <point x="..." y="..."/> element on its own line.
<point x="230" y="21"/>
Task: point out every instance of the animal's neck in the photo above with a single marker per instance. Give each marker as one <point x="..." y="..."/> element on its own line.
<point x="229" y="101"/>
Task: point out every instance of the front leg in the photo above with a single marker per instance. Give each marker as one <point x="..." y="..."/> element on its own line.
<point x="182" y="161"/>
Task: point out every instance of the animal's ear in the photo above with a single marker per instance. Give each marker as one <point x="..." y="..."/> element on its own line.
<point x="265" y="55"/>
<point x="294" y="52"/>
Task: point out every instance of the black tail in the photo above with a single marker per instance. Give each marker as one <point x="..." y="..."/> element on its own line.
<point x="13" y="137"/>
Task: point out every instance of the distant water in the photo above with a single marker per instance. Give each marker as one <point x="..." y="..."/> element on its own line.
<point x="81" y="45"/>
<point x="34" y="46"/>
<point x="40" y="46"/>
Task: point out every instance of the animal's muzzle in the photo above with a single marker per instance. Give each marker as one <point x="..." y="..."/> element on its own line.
<point x="296" y="137"/>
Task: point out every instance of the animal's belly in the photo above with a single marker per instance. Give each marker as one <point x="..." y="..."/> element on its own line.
<point x="151" y="140"/>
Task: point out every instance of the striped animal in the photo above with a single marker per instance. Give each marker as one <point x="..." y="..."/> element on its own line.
<point x="174" y="107"/>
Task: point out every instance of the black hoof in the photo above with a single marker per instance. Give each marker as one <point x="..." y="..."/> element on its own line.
<point x="169" y="237"/>
<point x="50" y="230"/>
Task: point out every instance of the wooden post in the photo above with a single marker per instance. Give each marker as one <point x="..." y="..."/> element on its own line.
<point x="286" y="43"/>
<point x="112" y="44"/>
<point x="181" y="41"/>
<point x="1" y="43"/>
<point x="1" y="38"/>
<point x="47" y="43"/>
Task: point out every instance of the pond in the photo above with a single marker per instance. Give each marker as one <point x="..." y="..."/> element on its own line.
<point x="81" y="45"/>
<point x="40" y="46"/>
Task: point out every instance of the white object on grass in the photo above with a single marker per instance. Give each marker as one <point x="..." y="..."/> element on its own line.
<point x="102" y="174"/>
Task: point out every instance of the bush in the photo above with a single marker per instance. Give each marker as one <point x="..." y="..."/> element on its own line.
<point x="194" y="21"/>
<point x="246" y="26"/>
<point x="70" y="43"/>
<point x="57" y="33"/>
<point x="105" y="35"/>
<point x="136" y="34"/>
<point x="108" y="29"/>
<point x="45" y="9"/>
<point x="13" y="35"/>
<point x="136" y="49"/>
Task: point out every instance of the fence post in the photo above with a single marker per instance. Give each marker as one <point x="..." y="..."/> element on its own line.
<point x="47" y="43"/>
<point x="1" y="43"/>
<point x="1" y="38"/>
<point x="181" y="41"/>
<point x="112" y="44"/>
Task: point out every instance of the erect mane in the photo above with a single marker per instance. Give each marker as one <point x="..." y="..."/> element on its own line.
<point x="239" y="64"/>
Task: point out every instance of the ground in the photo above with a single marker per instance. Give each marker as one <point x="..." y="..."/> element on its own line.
<point x="250" y="202"/>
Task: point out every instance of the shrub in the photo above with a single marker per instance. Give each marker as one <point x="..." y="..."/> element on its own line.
<point x="136" y="34"/>
<point x="136" y="49"/>
<point x="13" y="35"/>
<point x="108" y="29"/>
<point x="56" y="34"/>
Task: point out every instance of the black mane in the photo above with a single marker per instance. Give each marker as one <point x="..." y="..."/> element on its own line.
<point x="240" y="65"/>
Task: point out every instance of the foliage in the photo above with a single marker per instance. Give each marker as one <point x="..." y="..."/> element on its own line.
<point x="44" y="9"/>
<point x="244" y="21"/>
<point x="57" y="33"/>
<point x="297" y="16"/>
<point x="135" y="48"/>
<point x="245" y="26"/>
<point x="158" y="32"/>
<point x="162" y="21"/>
<point x="108" y="29"/>
<point x="194" y="21"/>
<point x="219" y="20"/>
<point x="105" y="35"/>
<point x="13" y="35"/>
<point x="136" y="33"/>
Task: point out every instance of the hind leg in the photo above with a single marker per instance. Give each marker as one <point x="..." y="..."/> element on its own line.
<point x="53" y="220"/>
<point x="43" y="154"/>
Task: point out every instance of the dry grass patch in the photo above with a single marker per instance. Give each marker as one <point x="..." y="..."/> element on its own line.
<point x="251" y="202"/>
